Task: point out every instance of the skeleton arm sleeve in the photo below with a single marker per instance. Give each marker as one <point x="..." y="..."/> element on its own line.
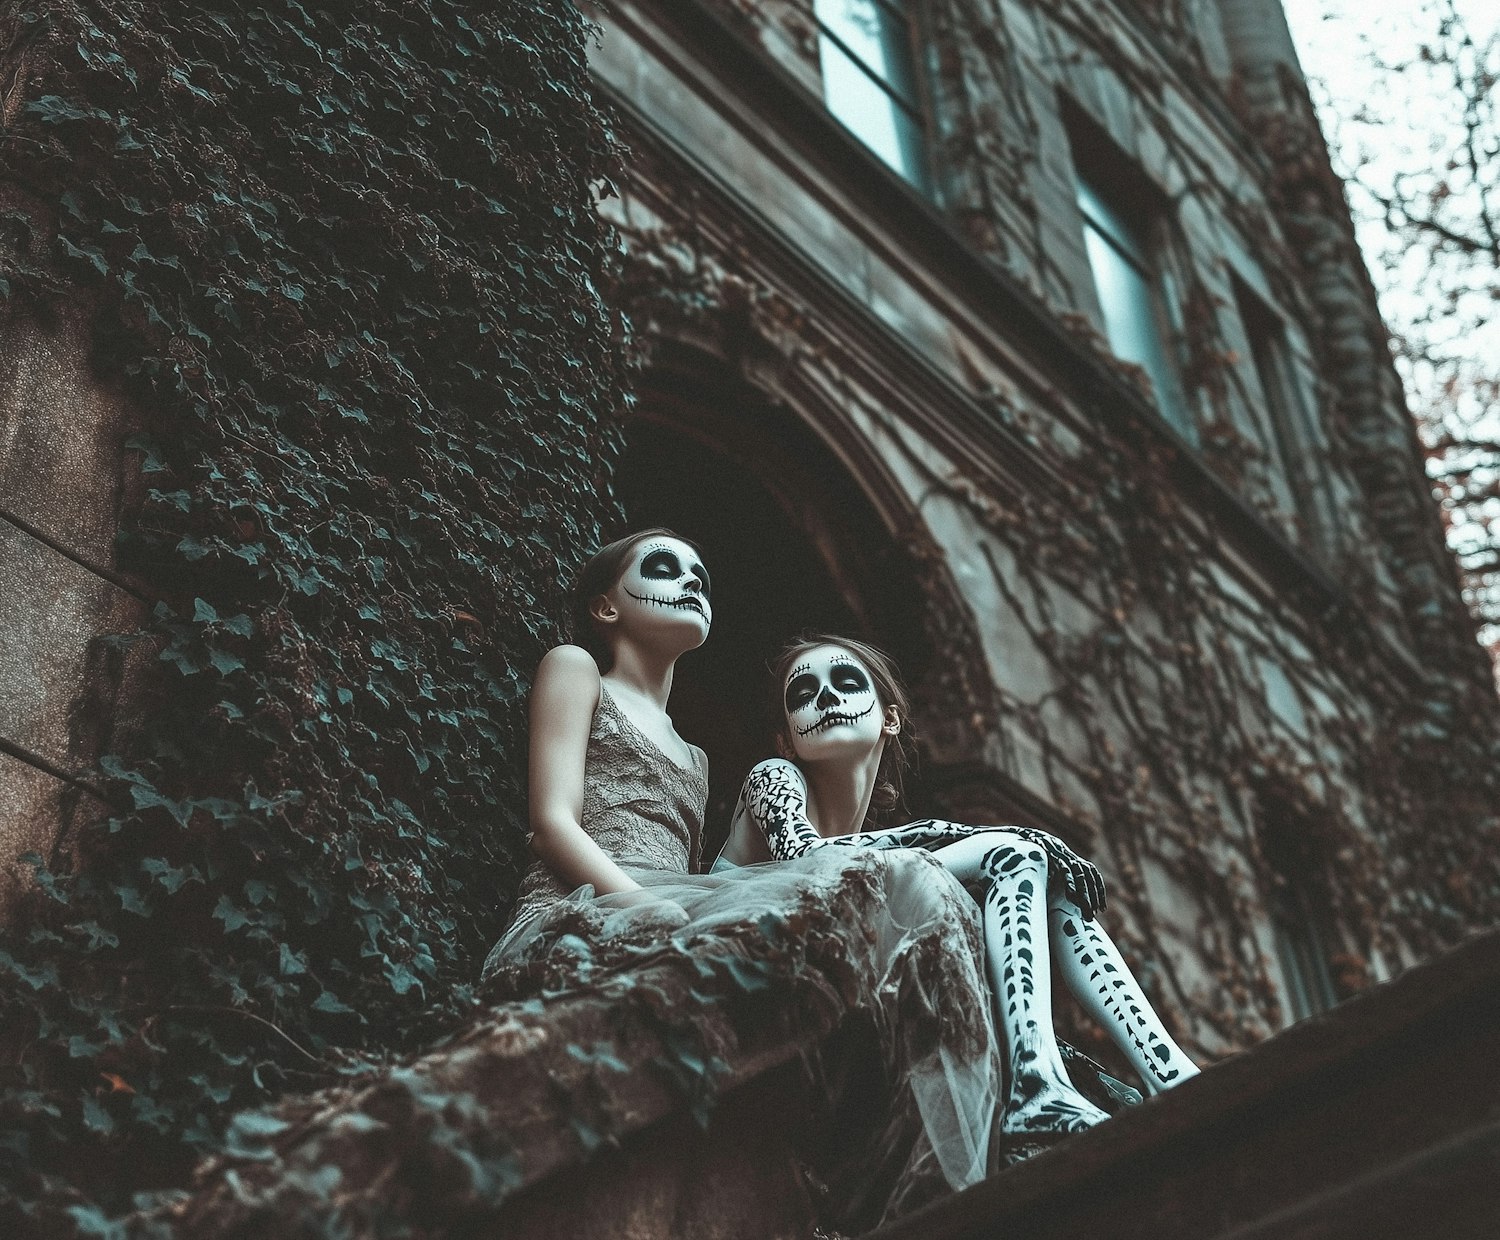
<point x="1079" y="878"/>
<point x="776" y="799"/>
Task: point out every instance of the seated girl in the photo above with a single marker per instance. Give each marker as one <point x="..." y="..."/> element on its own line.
<point x="843" y="742"/>
<point x="616" y="811"/>
<point x="614" y="791"/>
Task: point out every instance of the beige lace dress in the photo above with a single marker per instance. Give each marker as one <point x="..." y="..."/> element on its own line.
<point x="641" y="807"/>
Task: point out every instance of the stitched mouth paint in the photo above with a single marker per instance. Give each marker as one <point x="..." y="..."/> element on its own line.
<point x="834" y="718"/>
<point x="688" y="602"/>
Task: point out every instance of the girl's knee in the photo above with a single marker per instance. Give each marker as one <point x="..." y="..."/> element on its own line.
<point x="1010" y="855"/>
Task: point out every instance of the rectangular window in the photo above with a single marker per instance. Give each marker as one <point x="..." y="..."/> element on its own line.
<point x="1291" y="441"/>
<point x="1300" y="924"/>
<point x="1130" y="292"/>
<point x="870" y="80"/>
<point x="1301" y="952"/>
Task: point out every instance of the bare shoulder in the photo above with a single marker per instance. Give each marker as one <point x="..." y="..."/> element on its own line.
<point x="568" y="672"/>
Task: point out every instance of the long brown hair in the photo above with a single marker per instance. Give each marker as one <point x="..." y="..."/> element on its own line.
<point x="599" y="575"/>
<point x="899" y="749"/>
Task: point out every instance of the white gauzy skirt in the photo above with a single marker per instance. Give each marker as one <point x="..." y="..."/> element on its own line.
<point x="890" y="934"/>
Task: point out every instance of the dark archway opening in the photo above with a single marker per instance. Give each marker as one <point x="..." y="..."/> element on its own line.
<point x="792" y="545"/>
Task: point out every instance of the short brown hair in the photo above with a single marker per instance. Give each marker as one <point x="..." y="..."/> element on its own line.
<point x="600" y="573"/>
<point x="899" y="749"/>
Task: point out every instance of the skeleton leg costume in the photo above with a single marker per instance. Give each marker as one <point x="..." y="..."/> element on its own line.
<point x="1034" y="891"/>
<point x="1028" y="922"/>
<point x="1037" y="895"/>
<point x="1102" y="982"/>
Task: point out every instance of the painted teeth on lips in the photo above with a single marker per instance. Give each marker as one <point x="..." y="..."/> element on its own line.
<point x="687" y="600"/>
<point x="828" y="721"/>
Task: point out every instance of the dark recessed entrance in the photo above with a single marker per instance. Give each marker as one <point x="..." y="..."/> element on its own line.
<point x="792" y="546"/>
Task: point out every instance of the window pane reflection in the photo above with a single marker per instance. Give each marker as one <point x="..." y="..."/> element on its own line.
<point x="1130" y="320"/>
<point x="876" y="36"/>
<point x="874" y="116"/>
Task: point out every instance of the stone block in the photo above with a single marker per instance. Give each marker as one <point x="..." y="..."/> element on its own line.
<point x="36" y="808"/>
<point x="61" y="436"/>
<point x="58" y="682"/>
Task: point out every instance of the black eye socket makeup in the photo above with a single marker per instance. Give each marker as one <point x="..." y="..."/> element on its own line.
<point x="800" y="690"/>
<point x="661" y="564"/>
<point x="850" y="679"/>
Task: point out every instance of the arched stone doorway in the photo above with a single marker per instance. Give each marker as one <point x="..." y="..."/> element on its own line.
<point x="793" y="542"/>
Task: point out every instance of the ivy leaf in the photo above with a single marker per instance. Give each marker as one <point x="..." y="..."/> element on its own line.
<point x="96" y="1118"/>
<point x="81" y="1048"/>
<point x="147" y="1110"/>
<point x="44" y="878"/>
<point x="91" y="1220"/>
<point x="402" y="979"/>
<point x="98" y="936"/>
<point x="232" y="917"/>
<point x="250" y="1133"/>
<point x="153" y="464"/>
<point x="190" y="657"/>
<point x="130" y="899"/>
<point x="224" y="662"/>
<point x="167" y="875"/>
<point x="36" y="979"/>
<point x="146" y="797"/>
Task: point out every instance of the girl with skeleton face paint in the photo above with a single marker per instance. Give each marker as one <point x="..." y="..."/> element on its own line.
<point x="601" y="736"/>
<point x="843" y="718"/>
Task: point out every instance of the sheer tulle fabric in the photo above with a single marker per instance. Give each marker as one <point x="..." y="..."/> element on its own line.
<point x="893" y="931"/>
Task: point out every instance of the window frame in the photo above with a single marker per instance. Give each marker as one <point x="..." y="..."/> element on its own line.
<point x="1303" y="930"/>
<point x="1141" y="234"/>
<point x="1291" y="425"/>
<point x="915" y="167"/>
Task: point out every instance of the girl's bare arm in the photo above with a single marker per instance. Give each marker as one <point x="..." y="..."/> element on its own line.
<point x="563" y="700"/>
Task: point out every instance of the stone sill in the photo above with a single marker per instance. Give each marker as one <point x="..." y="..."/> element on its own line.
<point x="1384" y="1109"/>
<point x="1378" y="1118"/>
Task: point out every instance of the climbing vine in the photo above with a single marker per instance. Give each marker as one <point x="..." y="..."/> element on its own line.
<point x="1180" y="726"/>
<point x="347" y="268"/>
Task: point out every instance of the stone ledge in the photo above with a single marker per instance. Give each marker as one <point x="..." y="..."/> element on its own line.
<point x="550" y="1121"/>
<point x="1381" y="1110"/>
<point x="483" y="1132"/>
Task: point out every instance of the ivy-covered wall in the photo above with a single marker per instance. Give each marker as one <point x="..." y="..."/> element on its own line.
<point x="347" y="268"/>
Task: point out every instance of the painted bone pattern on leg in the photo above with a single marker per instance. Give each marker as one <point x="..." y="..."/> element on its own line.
<point x="1120" y="998"/>
<point x="1040" y="1099"/>
<point x="1067" y="872"/>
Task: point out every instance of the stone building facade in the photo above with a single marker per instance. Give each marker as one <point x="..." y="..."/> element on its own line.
<point x="1029" y="340"/>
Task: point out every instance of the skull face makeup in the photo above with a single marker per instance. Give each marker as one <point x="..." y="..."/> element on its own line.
<point x="667" y="584"/>
<point x="831" y="704"/>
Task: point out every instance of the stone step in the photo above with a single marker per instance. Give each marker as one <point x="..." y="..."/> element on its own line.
<point x="1379" y="1118"/>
